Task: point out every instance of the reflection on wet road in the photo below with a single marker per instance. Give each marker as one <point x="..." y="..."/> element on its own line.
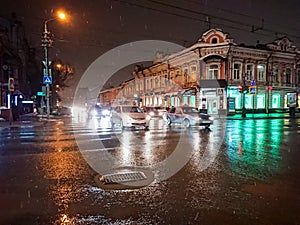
<point x="238" y="172"/>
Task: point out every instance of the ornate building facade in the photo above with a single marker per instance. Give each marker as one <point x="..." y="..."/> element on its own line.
<point x="217" y="75"/>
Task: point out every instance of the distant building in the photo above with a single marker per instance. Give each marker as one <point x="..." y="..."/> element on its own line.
<point x="212" y="73"/>
<point x="18" y="65"/>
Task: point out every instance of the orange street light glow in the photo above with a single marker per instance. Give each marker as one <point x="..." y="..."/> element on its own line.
<point x="61" y="15"/>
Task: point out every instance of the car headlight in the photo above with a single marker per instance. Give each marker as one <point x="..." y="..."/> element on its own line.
<point x="210" y="118"/>
<point x="148" y="117"/>
<point x="152" y="113"/>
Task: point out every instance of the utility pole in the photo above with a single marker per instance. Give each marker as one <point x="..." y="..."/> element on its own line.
<point x="245" y="90"/>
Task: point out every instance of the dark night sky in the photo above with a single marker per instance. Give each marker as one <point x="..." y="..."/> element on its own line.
<point x="100" y="25"/>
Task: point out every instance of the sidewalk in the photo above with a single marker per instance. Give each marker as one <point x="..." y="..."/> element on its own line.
<point x="25" y="120"/>
<point x="250" y="116"/>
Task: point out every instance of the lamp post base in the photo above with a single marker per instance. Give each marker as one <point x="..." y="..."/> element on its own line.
<point x="244" y="112"/>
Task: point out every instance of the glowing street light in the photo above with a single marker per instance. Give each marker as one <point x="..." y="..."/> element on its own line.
<point x="61" y="15"/>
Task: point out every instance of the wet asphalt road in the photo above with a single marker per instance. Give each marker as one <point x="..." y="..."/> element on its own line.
<point x="238" y="172"/>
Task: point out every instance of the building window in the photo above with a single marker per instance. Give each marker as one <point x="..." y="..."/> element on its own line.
<point x="162" y="81"/>
<point x="237" y="71"/>
<point x="213" y="72"/>
<point x="261" y="72"/>
<point x="193" y="69"/>
<point x="249" y="72"/>
<point x="283" y="47"/>
<point x="288" y="75"/>
<point x="171" y="75"/>
<point x="214" y="40"/>
<point x="275" y="74"/>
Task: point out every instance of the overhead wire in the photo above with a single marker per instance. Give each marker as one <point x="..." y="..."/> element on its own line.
<point x="170" y="6"/>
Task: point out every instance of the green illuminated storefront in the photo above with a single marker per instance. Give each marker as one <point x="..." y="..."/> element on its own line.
<point x="264" y="99"/>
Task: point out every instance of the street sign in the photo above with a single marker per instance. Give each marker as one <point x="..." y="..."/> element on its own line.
<point x="47" y="80"/>
<point x="252" y="90"/>
<point x="253" y="83"/>
<point x="40" y="93"/>
<point x="220" y="91"/>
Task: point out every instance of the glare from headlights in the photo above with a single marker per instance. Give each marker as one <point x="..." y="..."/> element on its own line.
<point x="105" y="112"/>
<point x="94" y="112"/>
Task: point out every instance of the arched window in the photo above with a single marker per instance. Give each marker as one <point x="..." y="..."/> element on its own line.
<point x="214" y="40"/>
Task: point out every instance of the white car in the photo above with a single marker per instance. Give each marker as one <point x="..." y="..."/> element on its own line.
<point x="130" y="116"/>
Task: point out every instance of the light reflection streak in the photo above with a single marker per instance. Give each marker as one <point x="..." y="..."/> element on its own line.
<point x="254" y="147"/>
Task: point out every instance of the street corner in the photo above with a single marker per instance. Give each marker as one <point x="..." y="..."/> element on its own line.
<point x="125" y="178"/>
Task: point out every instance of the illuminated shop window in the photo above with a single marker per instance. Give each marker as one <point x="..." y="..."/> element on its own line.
<point x="260" y="101"/>
<point x="185" y="100"/>
<point x="275" y="101"/>
<point x="249" y="101"/>
<point x="193" y="101"/>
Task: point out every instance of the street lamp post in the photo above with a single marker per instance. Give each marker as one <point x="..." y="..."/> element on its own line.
<point x="46" y="43"/>
<point x="243" y="96"/>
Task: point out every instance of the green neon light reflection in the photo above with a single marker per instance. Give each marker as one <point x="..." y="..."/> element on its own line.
<point x="253" y="147"/>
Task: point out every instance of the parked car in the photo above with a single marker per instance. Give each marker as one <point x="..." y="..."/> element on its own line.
<point x="129" y="116"/>
<point x="188" y="116"/>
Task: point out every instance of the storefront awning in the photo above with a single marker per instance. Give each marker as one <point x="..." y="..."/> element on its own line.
<point x="190" y="91"/>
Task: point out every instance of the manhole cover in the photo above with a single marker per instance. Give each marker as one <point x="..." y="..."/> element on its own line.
<point x="123" y="177"/>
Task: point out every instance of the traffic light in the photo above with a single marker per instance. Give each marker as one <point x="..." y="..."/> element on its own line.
<point x="11" y="84"/>
<point x="245" y="90"/>
<point x="240" y="88"/>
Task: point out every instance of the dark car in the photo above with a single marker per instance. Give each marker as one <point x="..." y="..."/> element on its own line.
<point x="187" y="116"/>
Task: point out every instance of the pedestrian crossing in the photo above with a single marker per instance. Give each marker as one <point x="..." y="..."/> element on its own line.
<point x="67" y="135"/>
